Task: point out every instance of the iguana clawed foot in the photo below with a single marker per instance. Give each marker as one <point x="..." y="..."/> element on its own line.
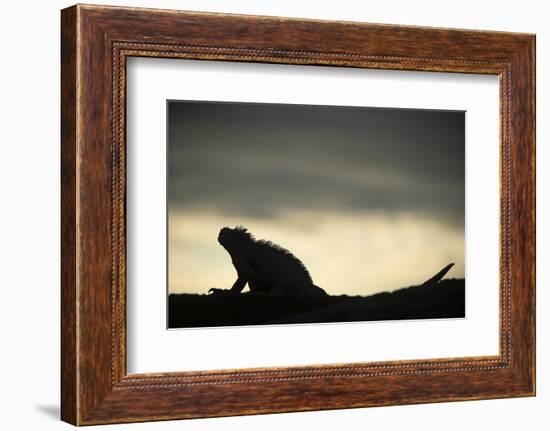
<point x="216" y="291"/>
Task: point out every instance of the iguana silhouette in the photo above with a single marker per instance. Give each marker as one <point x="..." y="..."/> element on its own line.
<point x="265" y="266"/>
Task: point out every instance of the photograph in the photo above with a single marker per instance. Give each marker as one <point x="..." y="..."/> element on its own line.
<point x="300" y="214"/>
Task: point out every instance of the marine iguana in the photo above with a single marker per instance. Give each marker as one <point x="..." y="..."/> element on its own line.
<point x="265" y="266"/>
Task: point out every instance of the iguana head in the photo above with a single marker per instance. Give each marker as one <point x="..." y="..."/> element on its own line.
<point x="231" y="238"/>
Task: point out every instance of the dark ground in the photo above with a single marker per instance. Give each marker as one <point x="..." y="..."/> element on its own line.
<point x="445" y="299"/>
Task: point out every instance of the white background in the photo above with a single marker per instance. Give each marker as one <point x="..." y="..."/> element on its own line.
<point x="151" y="348"/>
<point x="29" y="228"/>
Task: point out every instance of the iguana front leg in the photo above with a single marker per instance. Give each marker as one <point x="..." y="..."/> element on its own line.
<point x="244" y="274"/>
<point x="239" y="285"/>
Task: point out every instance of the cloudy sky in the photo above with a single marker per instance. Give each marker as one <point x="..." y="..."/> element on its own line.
<point x="369" y="199"/>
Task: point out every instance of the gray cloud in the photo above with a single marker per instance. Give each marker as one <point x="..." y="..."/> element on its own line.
<point x="260" y="160"/>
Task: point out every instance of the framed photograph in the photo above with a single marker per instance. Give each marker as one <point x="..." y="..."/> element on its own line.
<point x="264" y="214"/>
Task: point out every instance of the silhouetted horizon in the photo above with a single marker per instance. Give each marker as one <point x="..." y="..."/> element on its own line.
<point x="442" y="300"/>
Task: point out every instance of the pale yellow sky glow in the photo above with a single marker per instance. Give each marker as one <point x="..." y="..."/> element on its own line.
<point x="355" y="254"/>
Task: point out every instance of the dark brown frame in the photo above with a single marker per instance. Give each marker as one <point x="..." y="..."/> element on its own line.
<point x="95" y="43"/>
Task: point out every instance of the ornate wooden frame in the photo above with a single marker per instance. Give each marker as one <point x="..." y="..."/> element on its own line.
<point x="95" y="43"/>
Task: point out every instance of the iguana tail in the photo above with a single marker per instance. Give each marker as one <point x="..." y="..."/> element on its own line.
<point x="438" y="277"/>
